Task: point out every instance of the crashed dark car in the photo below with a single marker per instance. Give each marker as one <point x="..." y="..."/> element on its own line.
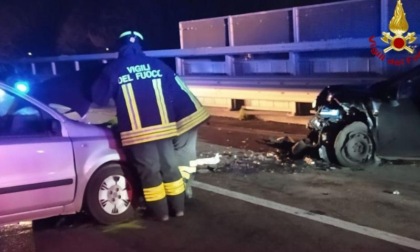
<point x="359" y="125"/>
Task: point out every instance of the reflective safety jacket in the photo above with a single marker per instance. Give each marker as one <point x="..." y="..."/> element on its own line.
<point x="152" y="102"/>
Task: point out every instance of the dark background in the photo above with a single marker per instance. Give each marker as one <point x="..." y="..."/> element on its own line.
<point x="52" y="27"/>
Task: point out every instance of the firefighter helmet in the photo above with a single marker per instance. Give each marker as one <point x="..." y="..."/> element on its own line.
<point x="130" y="37"/>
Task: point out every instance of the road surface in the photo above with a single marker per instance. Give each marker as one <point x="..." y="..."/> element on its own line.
<point x="259" y="204"/>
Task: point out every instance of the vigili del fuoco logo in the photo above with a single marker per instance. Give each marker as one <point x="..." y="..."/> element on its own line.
<point x="400" y="39"/>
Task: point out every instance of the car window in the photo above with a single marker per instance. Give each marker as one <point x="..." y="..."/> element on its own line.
<point x="19" y="117"/>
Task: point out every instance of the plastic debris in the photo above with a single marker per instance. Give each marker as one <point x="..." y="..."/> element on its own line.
<point x="394" y="192"/>
<point x="309" y="161"/>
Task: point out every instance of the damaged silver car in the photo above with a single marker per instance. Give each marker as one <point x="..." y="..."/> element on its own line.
<point x="358" y="125"/>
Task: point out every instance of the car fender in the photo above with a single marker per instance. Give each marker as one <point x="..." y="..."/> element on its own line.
<point x="89" y="157"/>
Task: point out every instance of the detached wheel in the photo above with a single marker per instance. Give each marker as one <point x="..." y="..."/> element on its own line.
<point x="354" y="147"/>
<point x="109" y="195"/>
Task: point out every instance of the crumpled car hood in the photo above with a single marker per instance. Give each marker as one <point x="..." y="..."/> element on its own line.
<point x="71" y="90"/>
<point x="345" y="93"/>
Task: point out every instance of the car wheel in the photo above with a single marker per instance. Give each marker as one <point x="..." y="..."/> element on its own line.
<point x="109" y="195"/>
<point x="354" y="147"/>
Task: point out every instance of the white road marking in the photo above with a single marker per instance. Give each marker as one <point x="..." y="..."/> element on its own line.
<point x="375" y="233"/>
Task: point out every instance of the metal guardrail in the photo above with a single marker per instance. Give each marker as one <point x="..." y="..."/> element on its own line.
<point x="276" y="93"/>
<point x="219" y="53"/>
<point x="290" y="82"/>
<point x="327" y="45"/>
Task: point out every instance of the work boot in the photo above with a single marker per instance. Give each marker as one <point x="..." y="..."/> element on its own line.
<point x="179" y="214"/>
<point x="162" y="218"/>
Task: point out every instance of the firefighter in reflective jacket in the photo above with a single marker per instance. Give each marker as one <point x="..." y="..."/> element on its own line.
<point x="153" y="108"/>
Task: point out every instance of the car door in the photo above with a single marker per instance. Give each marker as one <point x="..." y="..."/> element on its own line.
<point x="36" y="161"/>
<point x="398" y="122"/>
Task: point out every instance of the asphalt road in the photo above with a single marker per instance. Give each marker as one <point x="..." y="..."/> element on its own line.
<point x="333" y="209"/>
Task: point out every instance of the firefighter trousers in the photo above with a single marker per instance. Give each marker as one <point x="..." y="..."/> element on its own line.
<point x="156" y="164"/>
<point x="186" y="150"/>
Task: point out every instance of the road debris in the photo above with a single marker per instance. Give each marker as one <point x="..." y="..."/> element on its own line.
<point x="394" y="192"/>
<point x="309" y="161"/>
<point x="248" y="162"/>
<point x="286" y="157"/>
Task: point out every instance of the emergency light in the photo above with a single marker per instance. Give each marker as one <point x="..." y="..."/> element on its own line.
<point x="22" y="86"/>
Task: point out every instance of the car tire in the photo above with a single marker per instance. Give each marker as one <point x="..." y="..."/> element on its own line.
<point x="354" y="147"/>
<point x="109" y="195"/>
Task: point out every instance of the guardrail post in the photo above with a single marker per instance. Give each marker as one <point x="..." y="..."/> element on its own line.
<point x="230" y="65"/>
<point x="53" y="68"/>
<point x="77" y="66"/>
<point x="384" y="15"/>
<point x="294" y="57"/>
<point x="33" y="67"/>
<point x="384" y="27"/>
<point x="179" y="64"/>
<point x="294" y="60"/>
<point x="231" y="37"/>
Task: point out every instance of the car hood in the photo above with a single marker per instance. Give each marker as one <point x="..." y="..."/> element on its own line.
<point x="71" y="90"/>
<point x="345" y="93"/>
<point x="79" y="129"/>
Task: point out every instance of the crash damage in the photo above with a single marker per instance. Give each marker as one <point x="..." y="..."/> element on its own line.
<point x="343" y="126"/>
<point x="361" y="125"/>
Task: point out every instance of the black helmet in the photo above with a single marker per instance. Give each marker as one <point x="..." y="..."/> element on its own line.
<point x="128" y="37"/>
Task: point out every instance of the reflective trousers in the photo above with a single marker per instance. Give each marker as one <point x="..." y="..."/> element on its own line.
<point x="157" y="166"/>
<point x="186" y="150"/>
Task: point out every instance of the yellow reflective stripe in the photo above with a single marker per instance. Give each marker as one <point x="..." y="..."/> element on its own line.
<point x="160" y="99"/>
<point x="192" y="120"/>
<point x="129" y="108"/>
<point x="185" y="175"/>
<point x="152" y="136"/>
<point x="131" y="33"/>
<point x="154" y="193"/>
<point x="138" y="35"/>
<point x="189" y="169"/>
<point x="131" y="104"/>
<point x="149" y="133"/>
<point x="125" y="34"/>
<point x="148" y="130"/>
<point x="181" y="83"/>
<point x="134" y="104"/>
<point x="148" y="139"/>
<point x="175" y="188"/>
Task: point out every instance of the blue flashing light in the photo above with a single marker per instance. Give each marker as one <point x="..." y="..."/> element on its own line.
<point x="22" y="86"/>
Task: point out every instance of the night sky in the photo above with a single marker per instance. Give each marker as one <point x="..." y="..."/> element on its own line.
<point x="52" y="27"/>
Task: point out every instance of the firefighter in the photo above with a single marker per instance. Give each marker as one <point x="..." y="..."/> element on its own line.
<point x="153" y="107"/>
